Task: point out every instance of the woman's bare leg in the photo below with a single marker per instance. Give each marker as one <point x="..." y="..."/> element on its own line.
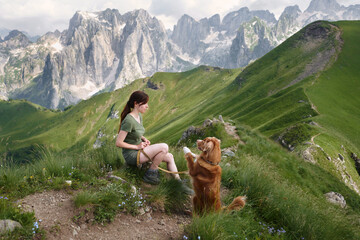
<point x="171" y="166"/>
<point x="159" y="153"/>
<point x="156" y="152"/>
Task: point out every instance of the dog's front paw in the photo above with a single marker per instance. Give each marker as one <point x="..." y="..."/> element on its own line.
<point x="186" y="150"/>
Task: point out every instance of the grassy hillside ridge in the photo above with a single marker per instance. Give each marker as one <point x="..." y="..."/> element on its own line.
<point x="289" y="94"/>
<point x="285" y="194"/>
<point x="80" y="124"/>
<point x="336" y="92"/>
<point x="277" y="94"/>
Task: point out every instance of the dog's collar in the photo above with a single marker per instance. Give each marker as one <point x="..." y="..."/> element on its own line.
<point x="209" y="162"/>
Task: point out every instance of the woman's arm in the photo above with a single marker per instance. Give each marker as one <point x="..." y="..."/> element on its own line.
<point x="120" y="142"/>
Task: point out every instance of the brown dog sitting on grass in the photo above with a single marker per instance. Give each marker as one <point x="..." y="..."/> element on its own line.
<point x="206" y="177"/>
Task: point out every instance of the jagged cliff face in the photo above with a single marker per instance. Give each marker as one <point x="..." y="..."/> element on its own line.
<point x="209" y="41"/>
<point x="20" y="62"/>
<point x="287" y="24"/>
<point x="253" y="39"/>
<point x="105" y="50"/>
<point x="239" y="39"/>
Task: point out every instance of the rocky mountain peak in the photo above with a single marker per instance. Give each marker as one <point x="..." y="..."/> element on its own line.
<point x="265" y="15"/>
<point x="140" y="14"/>
<point x="291" y="11"/>
<point x="107" y="50"/>
<point x="325" y="6"/>
<point x="49" y="36"/>
<point x="184" y="28"/>
<point x="14" y="34"/>
<point x="255" y="35"/>
<point x="83" y="24"/>
<point x="16" y="39"/>
<point x="233" y="20"/>
<point x="214" y="21"/>
<point x="112" y="16"/>
<point x="81" y="16"/>
<point x="186" y="19"/>
<point x="142" y="19"/>
<point x="287" y="23"/>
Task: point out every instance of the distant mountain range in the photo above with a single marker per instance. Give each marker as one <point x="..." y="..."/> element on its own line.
<point x="103" y="51"/>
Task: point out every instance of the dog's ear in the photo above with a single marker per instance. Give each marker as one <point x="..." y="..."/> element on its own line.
<point x="209" y="145"/>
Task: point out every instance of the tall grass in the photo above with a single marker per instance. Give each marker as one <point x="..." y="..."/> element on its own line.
<point x="283" y="195"/>
<point x="170" y="195"/>
<point x="87" y="169"/>
<point x="51" y="169"/>
<point x="244" y="224"/>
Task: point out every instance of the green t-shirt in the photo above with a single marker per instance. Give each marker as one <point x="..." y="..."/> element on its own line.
<point x="135" y="131"/>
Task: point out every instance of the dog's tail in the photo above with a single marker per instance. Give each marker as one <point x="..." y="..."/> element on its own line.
<point x="237" y="204"/>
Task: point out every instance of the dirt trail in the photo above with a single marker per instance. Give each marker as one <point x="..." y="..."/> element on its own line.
<point x="231" y="130"/>
<point x="313" y="137"/>
<point x="57" y="213"/>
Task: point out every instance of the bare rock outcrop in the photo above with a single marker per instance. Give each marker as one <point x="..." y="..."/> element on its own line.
<point x="8" y="225"/>
<point x="336" y="198"/>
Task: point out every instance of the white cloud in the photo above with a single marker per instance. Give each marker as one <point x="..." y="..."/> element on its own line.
<point x="41" y="16"/>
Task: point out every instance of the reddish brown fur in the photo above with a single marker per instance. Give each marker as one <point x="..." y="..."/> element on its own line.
<point x="206" y="178"/>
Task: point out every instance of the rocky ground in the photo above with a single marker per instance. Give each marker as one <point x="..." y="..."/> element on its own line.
<point x="60" y="219"/>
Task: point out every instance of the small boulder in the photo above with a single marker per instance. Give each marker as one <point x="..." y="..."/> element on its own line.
<point x="313" y="123"/>
<point x="190" y="131"/>
<point x="141" y="211"/>
<point x="228" y="153"/>
<point x="98" y="144"/>
<point x="336" y="198"/>
<point x="8" y="225"/>
<point x="221" y="119"/>
<point x="308" y="156"/>
<point x="207" y="123"/>
<point x="110" y="175"/>
<point x="357" y="162"/>
<point x="114" y="115"/>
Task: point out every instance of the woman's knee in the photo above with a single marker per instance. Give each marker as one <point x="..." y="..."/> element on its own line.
<point x="165" y="147"/>
<point x="169" y="158"/>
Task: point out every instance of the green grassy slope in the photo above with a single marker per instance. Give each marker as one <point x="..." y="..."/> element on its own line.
<point x="336" y="92"/>
<point x="268" y="96"/>
<point x="19" y="122"/>
<point x="264" y="101"/>
<point x="176" y="101"/>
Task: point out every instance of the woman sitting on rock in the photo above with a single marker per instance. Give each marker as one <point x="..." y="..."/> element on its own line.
<point x="136" y="149"/>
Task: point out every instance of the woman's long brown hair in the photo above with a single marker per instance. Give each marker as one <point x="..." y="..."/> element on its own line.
<point x="139" y="97"/>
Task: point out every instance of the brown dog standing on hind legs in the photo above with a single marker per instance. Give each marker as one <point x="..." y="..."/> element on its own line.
<point x="205" y="172"/>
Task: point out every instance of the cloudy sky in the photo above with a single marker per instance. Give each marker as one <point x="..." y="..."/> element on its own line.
<point x="40" y="16"/>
